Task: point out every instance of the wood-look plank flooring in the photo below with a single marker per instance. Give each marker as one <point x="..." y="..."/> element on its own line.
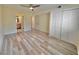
<point x="35" y="43"/>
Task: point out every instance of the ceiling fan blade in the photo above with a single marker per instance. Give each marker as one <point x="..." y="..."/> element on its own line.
<point x="35" y="6"/>
<point x="30" y="5"/>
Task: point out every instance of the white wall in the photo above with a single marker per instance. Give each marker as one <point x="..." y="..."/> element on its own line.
<point x="33" y="22"/>
<point x="9" y="20"/>
<point x="27" y="22"/>
<point x="37" y="22"/>
<point x="64" y="25"/>
<point x="1" y="28"/>
<point x="42" y="22"/>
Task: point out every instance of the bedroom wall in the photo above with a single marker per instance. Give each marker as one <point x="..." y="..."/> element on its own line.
<point x="42" y="22"/>
<point x="1" y="27"/>
<point x="33" y="22"/>
<point x="9" y="20"/>
<point x="27" y="22"/>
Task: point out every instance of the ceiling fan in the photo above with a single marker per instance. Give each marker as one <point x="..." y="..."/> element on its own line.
<point x="31" y="6"/>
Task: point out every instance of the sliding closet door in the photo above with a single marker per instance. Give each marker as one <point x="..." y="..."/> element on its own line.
<point x="70" y="26"/>
<point x="55" y="23"/>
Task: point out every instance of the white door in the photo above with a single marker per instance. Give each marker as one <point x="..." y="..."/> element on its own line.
<point x="70" y="25"/>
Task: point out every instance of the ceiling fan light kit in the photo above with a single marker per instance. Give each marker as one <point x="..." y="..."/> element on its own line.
<point x="31" y="6"/>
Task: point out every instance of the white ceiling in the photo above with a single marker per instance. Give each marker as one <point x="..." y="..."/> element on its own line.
<point x="43" y="7"/>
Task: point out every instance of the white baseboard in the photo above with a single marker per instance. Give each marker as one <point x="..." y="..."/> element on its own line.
<point x="27" y="29"/>
<point x="10" y="33"/>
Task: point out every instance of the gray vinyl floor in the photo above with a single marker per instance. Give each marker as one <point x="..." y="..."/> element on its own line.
<point x="35" y="43"/>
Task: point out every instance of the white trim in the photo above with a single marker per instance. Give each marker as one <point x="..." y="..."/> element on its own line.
<point x="27" y="29"/>
<point x="10" y="33"/>
<point x="70" y="9"/>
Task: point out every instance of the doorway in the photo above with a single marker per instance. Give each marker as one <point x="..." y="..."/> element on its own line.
<point x="20" y="23"/>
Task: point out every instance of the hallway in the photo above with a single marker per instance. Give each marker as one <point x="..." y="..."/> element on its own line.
<point x="35" y="43"/>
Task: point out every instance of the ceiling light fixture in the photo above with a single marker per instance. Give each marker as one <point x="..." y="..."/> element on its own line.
<point x="31" y="6"/>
